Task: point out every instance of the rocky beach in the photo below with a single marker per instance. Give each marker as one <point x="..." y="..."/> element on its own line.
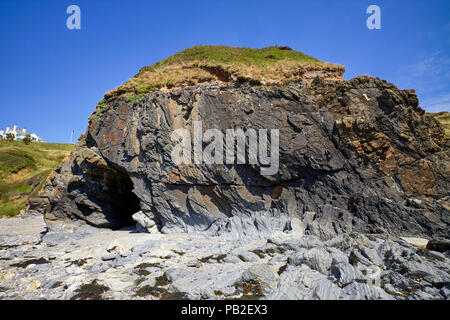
<point x="126" y="264"/>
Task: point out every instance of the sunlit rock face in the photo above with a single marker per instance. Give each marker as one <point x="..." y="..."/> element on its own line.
<point x="355" y="155"/>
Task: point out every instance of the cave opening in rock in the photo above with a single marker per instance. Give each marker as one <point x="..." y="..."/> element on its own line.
<point x="106" y="198"/>
<point x="123" y="202"/>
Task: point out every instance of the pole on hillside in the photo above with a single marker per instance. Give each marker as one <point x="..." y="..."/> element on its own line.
<point x="71" y="136"/>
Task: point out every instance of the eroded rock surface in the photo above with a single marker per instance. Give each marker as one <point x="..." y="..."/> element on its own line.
<point x="93" y="263"/>
<point x="355" y="156"/>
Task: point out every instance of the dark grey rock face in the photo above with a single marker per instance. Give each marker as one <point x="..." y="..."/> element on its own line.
<point x="354" y="155"/>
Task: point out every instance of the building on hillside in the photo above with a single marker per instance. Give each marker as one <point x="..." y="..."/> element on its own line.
<point x="19" y="134"/>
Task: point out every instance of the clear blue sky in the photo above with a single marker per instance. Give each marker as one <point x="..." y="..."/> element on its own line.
<point x="51" y="78"/>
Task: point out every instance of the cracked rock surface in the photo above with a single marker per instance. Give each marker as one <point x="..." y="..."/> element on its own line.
<point x="92" y="263"/>
<point x="355" y="156"/>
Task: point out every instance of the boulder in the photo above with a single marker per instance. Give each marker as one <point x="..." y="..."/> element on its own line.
<point x="441" y="245"/>
<point x="144" y="223"/>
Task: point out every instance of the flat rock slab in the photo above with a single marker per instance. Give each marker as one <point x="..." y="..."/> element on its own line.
<point x="25" y="228"/>
<point x="123" y="264"/>
<point x="417" y="242"/>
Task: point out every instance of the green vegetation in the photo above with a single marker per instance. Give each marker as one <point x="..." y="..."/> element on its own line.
<point x="270" y="65"/>
<point x="136" y="99"/>
<point x="256" y="67"/>
<point x="26" y="263"/>
<point x="9" y="137"/>
<point x="213" y="55"/>
<point x="90" y="291"/>
<point x="100" y="107"/>
<point x="27" y="139"/>
<point x="24" y="169"/>
<point x="444" y="119"/>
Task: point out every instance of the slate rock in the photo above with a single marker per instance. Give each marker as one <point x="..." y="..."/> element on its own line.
<point x="328" y="132"/>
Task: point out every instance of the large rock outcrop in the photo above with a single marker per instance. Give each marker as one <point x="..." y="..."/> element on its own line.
<point x="355" y="155"/>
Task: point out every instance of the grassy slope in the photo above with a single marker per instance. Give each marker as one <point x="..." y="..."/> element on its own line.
<point x="208" y="63"/>
<point x="236" y="55"/>
<point x="24" y="169"/>
<point x="444" y="119"/>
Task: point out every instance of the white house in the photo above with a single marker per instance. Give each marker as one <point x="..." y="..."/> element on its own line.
<point x="19" y="134"/>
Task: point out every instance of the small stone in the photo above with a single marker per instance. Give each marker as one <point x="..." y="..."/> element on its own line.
<point x="232" y="259"/>
<point x="144" y="222"/>
<point x="316" y="258"/>
<point x="248" y="257"/>
<point x="416" y="242"/>
<point x="9" y="275"/>
<point x="372" y="255"/>
<point x="416" y="203"/>
<point x="25" y="279"/>
<point x="263" y="274"/>
<point x="34" y="285"/>
<point x="345" y="273"/>
<point x="309" y="242"/>
<point x="109" y="256"/>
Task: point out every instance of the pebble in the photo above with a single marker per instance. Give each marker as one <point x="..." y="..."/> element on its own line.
<point x="110" y="256"/>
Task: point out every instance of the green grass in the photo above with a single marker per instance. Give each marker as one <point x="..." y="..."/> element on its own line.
<point x="136" y="99"/>
<point x="24" y="169"/>
<point x="444" y="119"/>
<point x="100" y="107"/>
<point x="235" y="55"/>
<point x="195" y="65"/>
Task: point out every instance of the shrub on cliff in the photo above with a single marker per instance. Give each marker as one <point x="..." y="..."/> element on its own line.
<point x="9" y="137"/>
<point x="27" y="139"/>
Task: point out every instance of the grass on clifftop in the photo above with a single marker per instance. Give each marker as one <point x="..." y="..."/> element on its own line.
<point x="444" y="119"/>
<point x="236" y="55"/>
<point x="24" y="169"/>
<point x="199" y="64"/>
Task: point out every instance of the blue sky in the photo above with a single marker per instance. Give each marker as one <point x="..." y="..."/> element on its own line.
<point x="52" y="77"/>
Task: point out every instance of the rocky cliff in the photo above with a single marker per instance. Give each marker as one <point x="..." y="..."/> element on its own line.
<point x="357" y="155"/>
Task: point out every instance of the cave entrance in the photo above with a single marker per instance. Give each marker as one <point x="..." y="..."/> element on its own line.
<point x="111" y="201"/>
<point x="123" y="202"/>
